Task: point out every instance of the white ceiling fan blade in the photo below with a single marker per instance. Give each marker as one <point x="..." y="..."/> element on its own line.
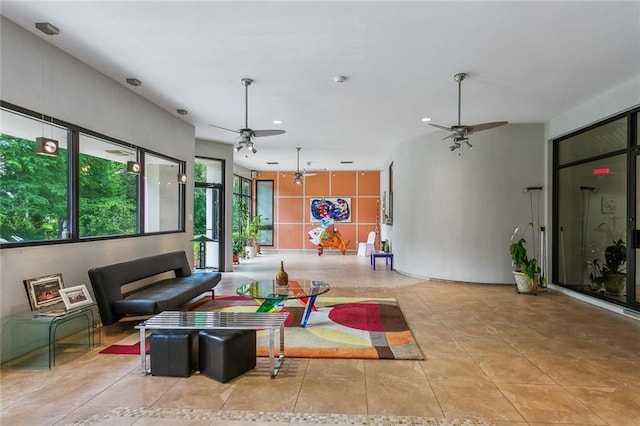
<point x="441" y="127"/>
<point x="272" y="132"/>
<point x="486" y="126"/>
<point x="224" y="128"/>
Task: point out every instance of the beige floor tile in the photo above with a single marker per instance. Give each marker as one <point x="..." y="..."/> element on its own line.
<point x="264" y="394"/>
<point x="465" y="400"/>
<point x="338" y="368"/>
<point x="34" y="414"/>
<point x="485" y="346"/>
<point x="516" y="369"/>
<point x="548" y="403"/>
<point x="198" y="391"/>
<point x="392" y="369"/>
<point x="134" y="391"/>
<point x="341" y="396"/>
<point x="573" y="372"/>
<point x="615" y="405"/>
<point x="454" y="368"/>
<point x="401" y="397"/>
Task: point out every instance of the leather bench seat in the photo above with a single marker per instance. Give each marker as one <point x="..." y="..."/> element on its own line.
<point x="156" y="295"/>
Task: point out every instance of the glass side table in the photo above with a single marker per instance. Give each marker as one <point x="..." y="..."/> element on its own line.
<point x="42" y="325"/>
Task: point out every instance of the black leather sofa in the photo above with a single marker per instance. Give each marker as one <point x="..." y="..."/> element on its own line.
<point x="164" y="294"/>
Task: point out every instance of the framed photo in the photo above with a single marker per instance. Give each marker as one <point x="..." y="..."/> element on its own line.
<point x="44" y="291"/>
<point x="608" y="205"/>
<point x="76" y="296"/>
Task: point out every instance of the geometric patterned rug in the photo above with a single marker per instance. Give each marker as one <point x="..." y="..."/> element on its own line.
<point x="339" y="327"/>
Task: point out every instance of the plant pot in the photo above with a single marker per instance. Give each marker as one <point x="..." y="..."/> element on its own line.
<point x="615" y="284"/>
<point x="523" y="283"/>
<point x="251" y="251"/>
<point x="236" y="258"/>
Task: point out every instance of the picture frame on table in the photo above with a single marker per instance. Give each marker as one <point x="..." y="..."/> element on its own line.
<point x="44" y="291"/>
<point x="76" y="296"/>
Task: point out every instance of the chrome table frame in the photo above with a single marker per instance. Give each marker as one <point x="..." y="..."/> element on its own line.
<point x="202" y="320"/>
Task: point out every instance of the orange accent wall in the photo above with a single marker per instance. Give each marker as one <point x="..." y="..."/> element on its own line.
<point x="292" y="218"/>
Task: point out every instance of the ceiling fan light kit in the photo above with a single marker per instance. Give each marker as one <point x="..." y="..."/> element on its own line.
<point x="248" y="133"/>
<point x="460" y="132"/>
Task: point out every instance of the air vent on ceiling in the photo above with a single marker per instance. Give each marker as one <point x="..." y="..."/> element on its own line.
<point x="271" y="163"/>
<point x="346" y="162"/>
<point x="118" y="152"/>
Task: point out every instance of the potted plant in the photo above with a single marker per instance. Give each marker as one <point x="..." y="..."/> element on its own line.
<point x="526" y="270"/>
<point x="612" y="274"/>
<point x="252" y="236"/>
<point x="238" y="248"/>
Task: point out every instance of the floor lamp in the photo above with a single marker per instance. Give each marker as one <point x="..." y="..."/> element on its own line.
<point x="202" y="240"/>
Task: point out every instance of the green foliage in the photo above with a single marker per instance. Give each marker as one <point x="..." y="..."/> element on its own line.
<point x="615" y="257"/>
<point x="34" y="194"/>
<point x="521" y="260"/>
<point x="252" y="233"/>
<point x="108" y="198"/>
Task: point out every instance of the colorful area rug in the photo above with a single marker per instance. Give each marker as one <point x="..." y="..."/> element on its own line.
<point x="340" y="327"/>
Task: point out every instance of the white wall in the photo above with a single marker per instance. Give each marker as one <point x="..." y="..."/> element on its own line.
<point x="72" y="91"/>
<point x="454" y="215"/>
<point x="614" y="101"/>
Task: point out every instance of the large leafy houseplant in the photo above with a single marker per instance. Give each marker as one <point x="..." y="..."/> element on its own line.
<point x="523" y="264"/>
<point x="612" y="274"/>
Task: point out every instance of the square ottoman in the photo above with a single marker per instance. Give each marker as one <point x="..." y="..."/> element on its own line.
<point x="226" y="354"/>
<point x="174" y="353"/>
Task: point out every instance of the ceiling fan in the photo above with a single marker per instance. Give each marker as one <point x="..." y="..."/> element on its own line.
<point x="460" y="132"/>
<point x="248" y="133"/>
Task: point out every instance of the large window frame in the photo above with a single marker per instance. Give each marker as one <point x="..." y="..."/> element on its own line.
<point x="596" y="153"/>
<point x="69" y="232"/>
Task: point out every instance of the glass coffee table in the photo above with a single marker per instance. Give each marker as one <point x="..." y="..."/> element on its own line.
<point x="274" y="296"/>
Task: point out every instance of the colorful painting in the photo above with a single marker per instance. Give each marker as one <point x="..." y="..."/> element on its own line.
<point x="337" y="209"/>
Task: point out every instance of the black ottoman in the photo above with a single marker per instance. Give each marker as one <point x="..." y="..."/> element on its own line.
<point x="174" y="353"/>
<point x="225" y="354"/>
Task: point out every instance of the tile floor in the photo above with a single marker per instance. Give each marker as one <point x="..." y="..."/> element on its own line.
<point x="491" y="357"/>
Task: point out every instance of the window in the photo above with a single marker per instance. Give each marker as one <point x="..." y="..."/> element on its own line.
<point x="85" y="191"/>
<point x="241" y="206"/>
<point x="108" y="194"/>
<point x="264" y="208"/>
<point x="162" y="194"/>
<point x="34" y="192"/>
<point x="591" y="195"/>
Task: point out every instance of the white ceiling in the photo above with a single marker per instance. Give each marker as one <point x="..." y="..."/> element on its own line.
<point x="527" y="62"/>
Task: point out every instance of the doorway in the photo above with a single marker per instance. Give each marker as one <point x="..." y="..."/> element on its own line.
<point x="208" y="208"/>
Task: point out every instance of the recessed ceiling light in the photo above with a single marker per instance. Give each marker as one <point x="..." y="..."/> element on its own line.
<point x="47" y="28"/>
<point x="277" y="122"/>
<point x="425" y="119"/>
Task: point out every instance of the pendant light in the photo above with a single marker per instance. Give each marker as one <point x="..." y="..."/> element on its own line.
<point x="133" y="166"/>
<point x="298" y="176"/>
<point x="47" y="146"/>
